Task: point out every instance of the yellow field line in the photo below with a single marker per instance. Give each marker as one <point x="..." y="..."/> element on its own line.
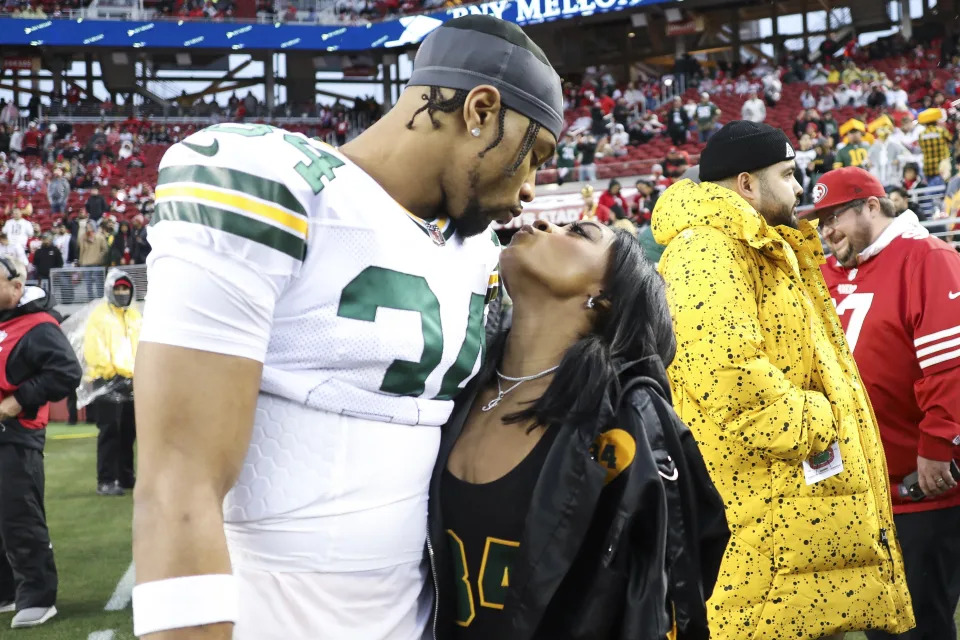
<point x="73" y="436"/>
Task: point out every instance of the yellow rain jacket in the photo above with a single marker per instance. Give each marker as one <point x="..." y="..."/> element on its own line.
<point x="110" y="341"/>
<point x="765" y="380"/>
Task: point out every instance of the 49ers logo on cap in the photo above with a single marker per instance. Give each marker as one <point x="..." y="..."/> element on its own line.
<point x="819" y="192"/>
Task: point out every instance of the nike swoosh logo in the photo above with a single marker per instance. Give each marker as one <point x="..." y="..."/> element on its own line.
<point x="953" y="296"/>
<point x="210" y="150"/>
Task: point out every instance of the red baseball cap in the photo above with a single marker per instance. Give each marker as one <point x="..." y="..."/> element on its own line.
<point x="841" y="186"/>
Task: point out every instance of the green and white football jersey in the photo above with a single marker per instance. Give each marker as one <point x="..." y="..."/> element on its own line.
<point x="368" y="321"/>
<point x="374" y="316"/>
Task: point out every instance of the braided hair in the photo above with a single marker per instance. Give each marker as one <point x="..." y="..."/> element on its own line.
<point x="434" y="101"/>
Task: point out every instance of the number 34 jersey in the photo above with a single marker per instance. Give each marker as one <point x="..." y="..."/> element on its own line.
<point x="368" y="321"/>
<point x="900" y="309"/>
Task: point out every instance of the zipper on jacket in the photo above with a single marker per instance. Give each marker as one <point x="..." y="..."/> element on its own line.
<point x="886" y="545"/>
<point x="613" y="540"/>
<point x="436" y="586"/>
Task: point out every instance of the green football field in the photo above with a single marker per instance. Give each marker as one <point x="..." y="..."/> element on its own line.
<point x="91" y="539"/>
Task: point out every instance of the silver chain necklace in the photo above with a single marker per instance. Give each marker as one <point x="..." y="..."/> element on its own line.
<point x="517" y="382"/>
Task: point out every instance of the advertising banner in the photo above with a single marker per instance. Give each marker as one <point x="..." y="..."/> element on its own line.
<point x="199" y="34"/>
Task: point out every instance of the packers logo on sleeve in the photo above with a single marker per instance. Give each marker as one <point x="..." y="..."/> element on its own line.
<point x="614" y="450"/>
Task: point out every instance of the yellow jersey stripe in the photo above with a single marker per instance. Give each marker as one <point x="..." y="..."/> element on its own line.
<point x="235" y="200"/>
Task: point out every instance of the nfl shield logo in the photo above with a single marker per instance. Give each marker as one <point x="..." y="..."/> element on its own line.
<point x="436" y="235"/>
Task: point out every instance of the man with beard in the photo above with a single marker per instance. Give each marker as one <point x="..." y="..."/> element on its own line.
<point x="313" y="312"/>
<point x="897" y="290"/>
<point x="765" y="380"/>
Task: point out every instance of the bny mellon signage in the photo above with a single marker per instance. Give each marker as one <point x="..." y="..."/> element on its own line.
<point x="533" y="11"/>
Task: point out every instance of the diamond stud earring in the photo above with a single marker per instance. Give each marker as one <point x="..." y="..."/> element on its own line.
<point x="475" y="132"/>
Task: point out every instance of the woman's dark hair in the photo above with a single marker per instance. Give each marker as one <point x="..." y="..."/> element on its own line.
<point x="633" y="326"/>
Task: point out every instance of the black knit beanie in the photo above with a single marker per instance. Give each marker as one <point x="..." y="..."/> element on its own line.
<point x="743" y="146"/>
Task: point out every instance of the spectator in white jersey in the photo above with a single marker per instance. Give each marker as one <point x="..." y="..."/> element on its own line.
<point x="310" y="348"/>
<point x="18" y="229"/>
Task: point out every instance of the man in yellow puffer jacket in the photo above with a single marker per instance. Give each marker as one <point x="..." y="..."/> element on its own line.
<point x="765" y="380"/>
<point x="109" y="349"/>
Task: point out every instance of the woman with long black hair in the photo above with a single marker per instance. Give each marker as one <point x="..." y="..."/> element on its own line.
<point x="569" y="502"/>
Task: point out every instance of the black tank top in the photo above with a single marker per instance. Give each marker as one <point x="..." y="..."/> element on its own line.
<point x="484" y="524"/>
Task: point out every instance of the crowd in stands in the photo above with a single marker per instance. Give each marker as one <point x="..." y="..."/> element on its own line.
<point x="87" y="189"/>
<point x="39" y="8"/>
<point x="886" y="107"/>
<point x="348" y="11"/>
<point x="848" y="107"/>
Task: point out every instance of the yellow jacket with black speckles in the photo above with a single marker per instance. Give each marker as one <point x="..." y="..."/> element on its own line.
<point x="765" y="380"/>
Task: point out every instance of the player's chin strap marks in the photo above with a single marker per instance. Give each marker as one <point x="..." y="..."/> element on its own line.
<point x="190" y="601"/>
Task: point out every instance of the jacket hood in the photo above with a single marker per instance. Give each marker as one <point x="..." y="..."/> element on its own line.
<point x="906" y="224"/>
<point x="112" y="276"/>
<point x="686" y="205"/>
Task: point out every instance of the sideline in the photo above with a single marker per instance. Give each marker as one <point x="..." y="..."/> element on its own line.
<point x="118" y="601"/>
<point x="124" y="591"/>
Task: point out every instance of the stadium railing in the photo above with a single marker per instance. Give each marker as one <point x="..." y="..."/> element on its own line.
<point x="73" y="287"/>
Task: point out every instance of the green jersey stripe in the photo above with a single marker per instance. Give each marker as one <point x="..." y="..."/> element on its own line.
<point x="234" y="223"/>
<point x="234" y="180"/>
<point x="450" y="230"/>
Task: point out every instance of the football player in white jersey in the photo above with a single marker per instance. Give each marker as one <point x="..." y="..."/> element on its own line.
<point x="312" y="313"/>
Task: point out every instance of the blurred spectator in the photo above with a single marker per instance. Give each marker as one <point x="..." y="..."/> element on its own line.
<point x="587" y="149"/>
<point x="141" y="247"/>
<point x="96" y="206"/>
<point x="617" y="145"/>
<point x="593" y="210"/>
<point x="644" y="202"/>
<point x="8" y="113"/>
<point x="678" y="122"/>
<point x="122" y="246"/>
<point x="31" y="141"/>
<point x="343" y="128"/>
<point x="934" y="141"/>
<point x="886" y="157"/>
<point x="660" y="182"/>
<point x="823" y="161"/>
<point x="47" y="257"/>
<point x="62" y="242"/>
<point x="23" y="207"/>
<point x="93" y="247"/>
<point x="676" y="163"/>
<point x="826" y="102"/>
<point x="854" y="152"/>
<point x="18" y="230"/>
<point x="806" y="154"/>
<point x="614" y="200"/>
<point x="772" y="89"/>
<point x="58" y="191"/>
<point x="753" y="109"/>
<point x="566" y="157"/>
<point x="16" y="140"/>
<point x="707" y="114"/>
<point x="8" y="250"/>
<point x="907" y="134"/>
